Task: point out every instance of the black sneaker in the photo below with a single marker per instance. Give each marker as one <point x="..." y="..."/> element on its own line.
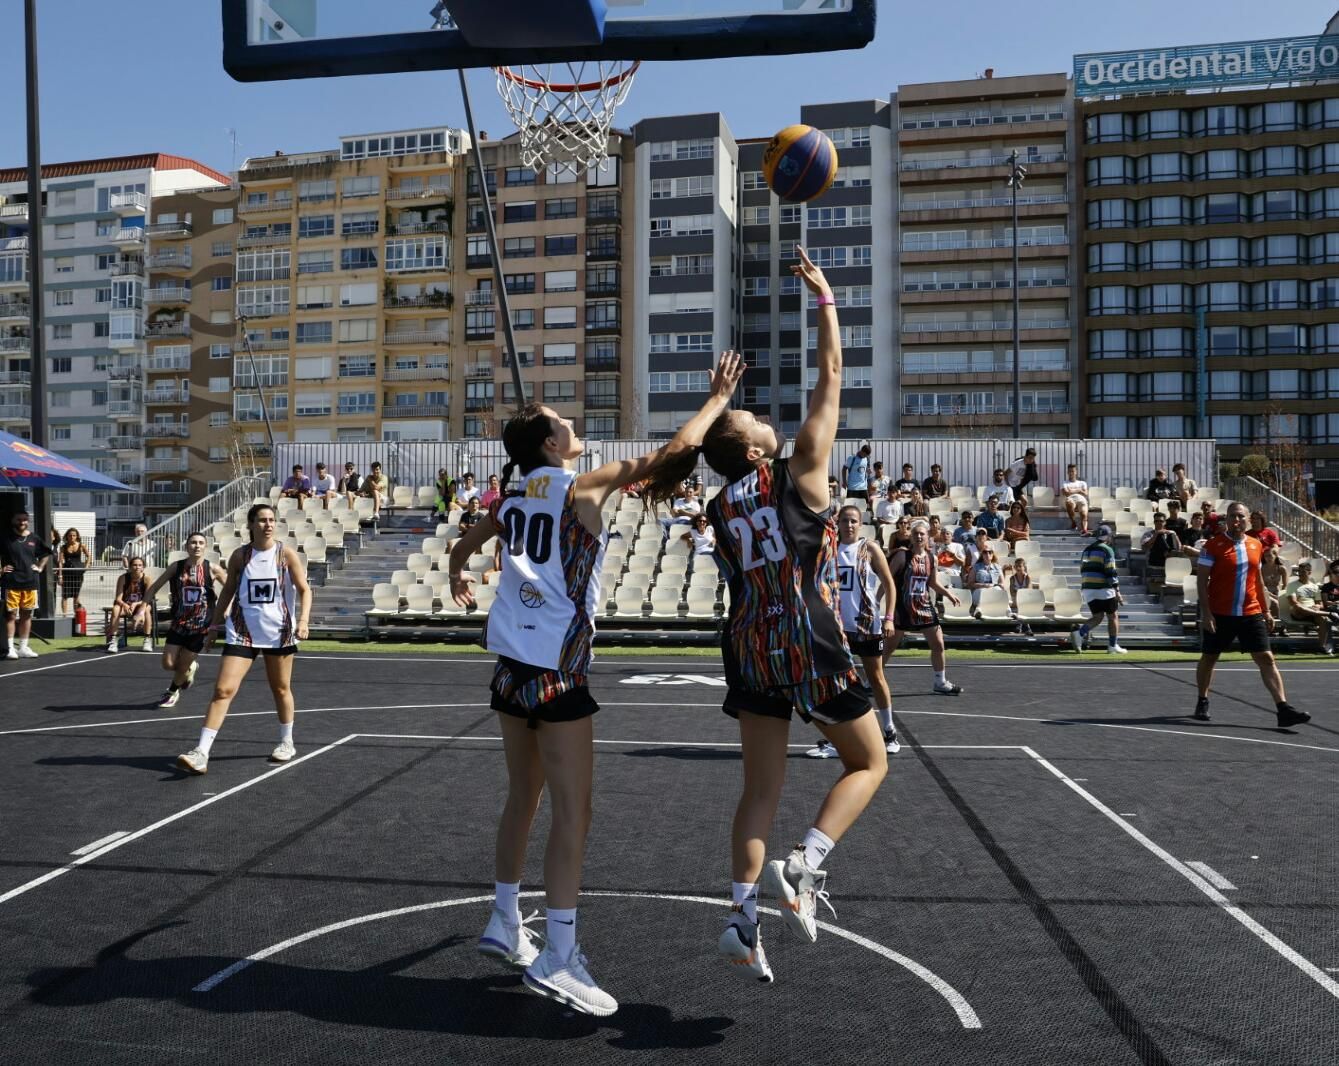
<point x="1202" y="710"/>
<point x="1290" y="715"/>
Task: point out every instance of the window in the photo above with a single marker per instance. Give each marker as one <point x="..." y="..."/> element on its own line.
<point x="519" y="176"/>
<point x="566" y="207"/>
<point x="357" y="366"/>
<point x="835" y="217"/>
<point x="752" y="179"/>
<point x="63" y="298"/>
<point x="64" y="231"/>
<point x="560" y="317"/>
<point x="220" y="283"/>
<point x="357" y="259"/>
<point x="362" y="185"/>
<point x="517" y="247"/>
<point x="560" y="244"/>
<point x="680" y="381"/>
<point x="217" y="419"/>
<point x="602" y="315"/>
<point x="315" y="262"/>
<point x="1110" y="170"/>
<point x="560" y="391"/>
<point x="62" y="332"/>
<point x="519" y="211"/>
<point x="558" y="281"/>
<point x="681" y="342"/>
<point x="265" y="266"/>
<point x="698" y="148"/>
<point x="356" y="329"/>
<point x="560" y="354"/>
<point x="312" y="368"/>
<point x="316" y="226"/>
<point x="222" y="216"/>
<point x="221" y="384"/>
<point x="521" y="318"/>
<point x="314" y="333"/>
<point x="757" y="216"/>
<point x="850" y="137"/>
<point x="63" y="264"/>
<point x="692" y="185"/>
<point x="263" y="300"/>
<point x="419" y="253"/>
<point x="312" y="404"/>
<point x="755" y="286"/>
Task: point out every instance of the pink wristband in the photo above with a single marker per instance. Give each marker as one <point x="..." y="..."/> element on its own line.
<point x="827" y="301"/>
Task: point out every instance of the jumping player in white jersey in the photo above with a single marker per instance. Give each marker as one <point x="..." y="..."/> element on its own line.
<point x="264" y="579"/>
<point x="191" y="581"/>
<point x="783" y="646"/>
<point x="864" y="579"/>
<point x="541" y="625"/>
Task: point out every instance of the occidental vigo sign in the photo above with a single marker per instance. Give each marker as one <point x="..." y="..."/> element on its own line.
<point x="1285" y="59"/>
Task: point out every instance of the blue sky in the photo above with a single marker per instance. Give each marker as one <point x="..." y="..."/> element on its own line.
<point x="146" y="75"/>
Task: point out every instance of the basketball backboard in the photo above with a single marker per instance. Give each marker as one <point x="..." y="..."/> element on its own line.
<point x="273" y="40"/>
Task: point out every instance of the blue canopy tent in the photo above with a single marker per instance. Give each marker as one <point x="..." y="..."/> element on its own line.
<point x="24" y="464"/>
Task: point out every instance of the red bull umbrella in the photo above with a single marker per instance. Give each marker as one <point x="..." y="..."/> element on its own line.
<point x="25" y="464"/>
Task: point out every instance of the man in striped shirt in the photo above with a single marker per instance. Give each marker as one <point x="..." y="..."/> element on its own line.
<point x="1234" y="607"/>
<point x="1101" y="591"/>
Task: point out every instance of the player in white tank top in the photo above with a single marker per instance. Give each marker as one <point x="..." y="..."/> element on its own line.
<point x="541" y="624"/>
<point x="266" y="601"/>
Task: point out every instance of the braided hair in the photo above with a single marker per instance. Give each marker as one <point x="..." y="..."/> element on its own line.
<point x="523" y="436"/>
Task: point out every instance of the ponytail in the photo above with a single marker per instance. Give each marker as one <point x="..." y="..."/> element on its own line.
<point x="664" y="482"/>
<point x="507" y="469"/>
<point x="523" y="436"/>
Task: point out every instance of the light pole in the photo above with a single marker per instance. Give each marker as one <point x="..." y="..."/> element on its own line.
<point x="1017" y="173"/>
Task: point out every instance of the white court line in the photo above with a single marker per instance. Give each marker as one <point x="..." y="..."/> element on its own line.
<point x="101" y="841"/>
<point x="1199" y="881"/>
<point x="247" y="714"/>
<point x="119" y="842"/>
<point x="5" y="674"/>
<point x="1212" y="876"/>
<point x="665" y="743"/>
<point x="966" y="1015"/>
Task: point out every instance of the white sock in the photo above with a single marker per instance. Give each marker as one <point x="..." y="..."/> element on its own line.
<point x="506" y="898"/>
<point x="285" y="731"/>
<point x="941" y="677"/>
<point x="23" y="643"/>
<point x="560" y="930"/>
<point x="207" y="739"/>
<point x="816" y="846"/>
<point x="745" y="897"/>
<point x="886" y="718"/>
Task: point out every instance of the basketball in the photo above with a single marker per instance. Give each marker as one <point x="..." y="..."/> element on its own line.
<point x="799" y="163"/>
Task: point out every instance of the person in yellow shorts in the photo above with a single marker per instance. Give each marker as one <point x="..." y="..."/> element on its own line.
<point x="23" y="558"/>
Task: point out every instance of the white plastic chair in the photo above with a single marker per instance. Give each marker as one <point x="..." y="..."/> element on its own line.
<point x="1042" y="496"/>
<point x="419" y="599"/>
<point x="418" y="564"/>
<point x="1177" y="571"/>
<point x="1069" y="606"/>
<point x="426" y="496"/>
<point x="385" y="599"/>
<point x="1031" y="605"/>
<point x="994" y="604"/>
<point x="665" y="602"/>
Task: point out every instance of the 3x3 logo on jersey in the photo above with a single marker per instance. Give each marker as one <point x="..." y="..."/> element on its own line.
<point x="261" y="590"/>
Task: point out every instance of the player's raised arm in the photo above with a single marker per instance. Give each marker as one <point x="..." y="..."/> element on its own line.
<point x="813" y="444"/>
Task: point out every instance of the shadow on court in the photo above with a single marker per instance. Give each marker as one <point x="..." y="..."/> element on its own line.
<point x="1177" y="720"/>
<point x="165" y="765"/>
<point x="687" y="754"/>
<point x="150" y="705"/>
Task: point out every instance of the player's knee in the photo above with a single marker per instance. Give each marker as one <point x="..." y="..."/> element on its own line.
<point x="224" y="691"/>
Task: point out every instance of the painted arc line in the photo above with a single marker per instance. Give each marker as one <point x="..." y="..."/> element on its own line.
<point x="966" y="1015"/>
<point x="51" y="875"/>
<point x="1212" y="876"/>
<point x="1200" y="882"/>
<point x="101" y="841"/>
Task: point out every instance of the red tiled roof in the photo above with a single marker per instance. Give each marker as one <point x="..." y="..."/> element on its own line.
<point x="153" y="160"/>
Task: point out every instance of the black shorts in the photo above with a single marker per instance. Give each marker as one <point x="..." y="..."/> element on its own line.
<point x="538" y="694"/>
<point x="904" y="622"/>
<point x="833" y="699"/>
<point x="865" y="646"/>
<point x="246" y="651"/>
<point x="194" y="642"/>
<point x="1106" y="605"/>
<point x="1250" y="630"/>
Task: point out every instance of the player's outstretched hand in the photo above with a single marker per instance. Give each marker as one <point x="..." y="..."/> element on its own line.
<point x="811" y="276"/>
<point x="725" y="378"/>
<point x="460" y="590"/>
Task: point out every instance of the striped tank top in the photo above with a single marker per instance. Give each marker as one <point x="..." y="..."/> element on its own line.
<point x="193" y="598"/>
<point x="859" y="588"/>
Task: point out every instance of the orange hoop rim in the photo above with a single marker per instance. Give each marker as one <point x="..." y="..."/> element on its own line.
<point x="569" y="87"/>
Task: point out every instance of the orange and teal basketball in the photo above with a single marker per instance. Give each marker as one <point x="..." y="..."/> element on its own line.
<point x="799" y="163"/>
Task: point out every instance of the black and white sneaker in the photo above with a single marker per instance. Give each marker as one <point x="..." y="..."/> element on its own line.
<point x="890" y="742"/>
<point x="947" y="688"/>
<point x="824" y="749"/>
<point x="741" y="943"/>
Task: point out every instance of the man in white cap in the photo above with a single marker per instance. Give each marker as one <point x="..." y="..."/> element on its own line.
<point x="1101" y="591"/>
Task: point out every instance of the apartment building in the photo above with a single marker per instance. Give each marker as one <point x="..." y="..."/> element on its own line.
<point x="94" y="216"/>
<point x="955" y="239"/>
<point x="1212" y="269"/>
<point x="849" y="233"/>
<point x="565" y="238"/>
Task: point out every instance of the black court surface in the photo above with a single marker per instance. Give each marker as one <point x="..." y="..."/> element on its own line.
<point x="1061" y="868"/>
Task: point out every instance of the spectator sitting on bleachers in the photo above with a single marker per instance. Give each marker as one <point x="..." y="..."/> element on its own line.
<point x="886" y="512"/>
<point x="297" y="487"/>
<point x="1329" y="603"/>
<point x="1301" y="601"/>
<point x="472" y="514"/>
<point x="878" y="486"/>
<point x="949" y="556"/>
<point x="1176" y="521"/>
<point x="1018" y="526"/>
<point x="972" y="552"/>
<point x="900" y="535"/>
<point x="444" y="486"/>
<point x="905" y="484"/>
<point x="1075" y="492"/>
<point x="1159" y="488"/>
<point x="377" y="488"/>
<point x="701" y="537"/>
<point x="938" y="533"/>
<point x="1274" y="574"/>
<point x="466" y="490"/>
<point x="491" y="493"/>
<point x="834" y="490"/>
<point x="491" y="574"/>
<point x="1190" y="543"/>
<point x="916" y="507"/>
<point x="1017" y="578"/>
<point x="324" y="486"/>
<point x="965" y="532"/>
<point x="683" y="510"/>
<point x="350" y="483"/>
<point x="999" y="487"/>
<point x="991" y="518"/>
<point x="1159" y="542"/>
<point x="1210" y="518"/>
<point x="934" y="486"/>
<point x="1261" y="531"/>
<point x="985" y="573"/>
<point x="1182" y="487"/>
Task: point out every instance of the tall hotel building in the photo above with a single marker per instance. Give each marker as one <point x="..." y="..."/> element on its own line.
<point x="953" y="307"/>
<point x="95" y="239"/>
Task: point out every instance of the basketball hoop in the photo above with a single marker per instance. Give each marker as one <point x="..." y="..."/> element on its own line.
<point x="565" y="123"/>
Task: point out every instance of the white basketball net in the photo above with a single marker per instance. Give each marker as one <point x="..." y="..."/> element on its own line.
<point x="565" y="122"/>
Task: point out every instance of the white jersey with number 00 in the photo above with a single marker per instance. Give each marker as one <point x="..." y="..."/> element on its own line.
<point x="859" y="587"/>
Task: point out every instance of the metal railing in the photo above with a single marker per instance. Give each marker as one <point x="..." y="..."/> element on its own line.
<point x="972" y="327"/>
<point x="168" y="294"/>
<point x="430" y="192"/>
<point x="443" y="300"/>
<point x="15" y="309"/>
<point x="420" y="336"/>
<point x="422" y="373"/>
<point x="168" y="229"/>
<point x="164" y="465"/>
<point x="164" y="261"/>
<point x="416" y="410"/>
<point x="12" y="212"/>
<point x="1315" y="534"/>
<point x="125" y="442"/>
<point x="21" y="412"/>
<point x="15" y="344"/>
<point x="937" y="363"/>
<point x="128" y="235"/>
<point x="1045" y="407"/>
<point x="169" y="535"/>
<point x="156" y="362"/>
<point x="962" y="162"/>
<point x="986" y="283"/>
<point x="128" y="201"/>
<point x="959" y="119"/>
<point x="168" y="329"/>
<point x="164" y="430"/>
<point x="959" y="243"/>
<point x="15" y="377"/>
<point x="409" y="229"/>
<point x="985" y="201"/>
<point x="172" y="396"/>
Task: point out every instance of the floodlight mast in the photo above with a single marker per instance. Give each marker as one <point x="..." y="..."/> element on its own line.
<point x="1017" y="173"/>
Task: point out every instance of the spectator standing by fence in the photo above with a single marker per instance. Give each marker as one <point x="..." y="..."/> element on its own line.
<point x="140" y="546"/>
<point x="491" y="493"/>
<point x="1183" y="488"/>
<point x="72" y="562"/>
<point x="1233" y="609"/>
<point x="23" y="559"/>
<point x="1023" y="472"/>
<point x="855" y="473"/>
<point x="934" y="486"/>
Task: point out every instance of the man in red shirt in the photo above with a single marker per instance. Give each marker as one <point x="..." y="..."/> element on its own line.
<point x="1234" y="607"/>
<point x="1262" y="532"/>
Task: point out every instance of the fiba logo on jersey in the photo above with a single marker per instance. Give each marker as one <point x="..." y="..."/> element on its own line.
<point x="260" y="590"/>
<point x="530" y="595"/>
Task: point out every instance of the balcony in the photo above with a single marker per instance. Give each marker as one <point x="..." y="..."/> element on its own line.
<point x="478" y="262"/>
<point x="603" y="209"/>
<point x="427" y="193"/>
<point x="443" y="300"/>
<point x="602" y="327"/>
<point x="263" y="310"/>
<point x="14" y="345"/>
<point x="176" y="464"/>
<point x="126" y="341"/>
<point x="976" y="162"/>
<point x="422" y="373"/>
<point x="15" y="310"/>
<point x="172" y="397"/>
<point x="170" y="500"/>
<point x="168" y="230"/>
<point x="125" y="511"/>
<point x="602" y="252"/>
<point x="15" y="377"/>
<point x="416" y="410"/>
<point x="475" y="331"/>
<point x="263" y="240"/>
<point x="601" y="401"/>
<point x="19" y="281"/>
<point x="128" y="203"/>
<point x="176" y="260"/>
<point x="125" y="370"/>
<point x="1045" y="407"/>
<point x="122" y="408"/>
<point x="602" y="288"/>
<point x="265" y="344"/>
<point x="602" y="364"/>
<point x="155" y="362"/>
<point x="410" y="229"/>
<point x="984" y="201"/>
<point x="986" y="283"/>
<point x="15" y="412"/>
<point x="265" y="207"/>
<point x="128" y="268"/>
<point x="166" y="430"/>
<point x="961" y="363"/>
<point x="168" y="294"/>
<point x="479" y="298"/>
<point x="128" y="237"/>
<point x="416" y="336"/>
<point x="478" y="403"/>
<point x="175" y="328"/>
<point x="479" y="370"/>
<point x="125" y="442"/>
<point x="978" y="327"/>
<point x="959" y="243"/>
<point x="360" y="229"/>
<point x="958" y="119"/>
<point x="13" y="214"/>
<point x="127" y="475"/>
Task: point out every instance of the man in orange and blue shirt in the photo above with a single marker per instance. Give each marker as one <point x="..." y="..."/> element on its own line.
<point x="1234" y="608"/>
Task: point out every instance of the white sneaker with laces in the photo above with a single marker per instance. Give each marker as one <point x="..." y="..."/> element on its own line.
<point x="569" y="982"/>
<point x="795" y="887"/>
<point x="170" y="698"/>
<point x="890" y="742"/>
<point x="194" y="761"/>
<point x="284" y="751"/>
<point x="1116" y="649"/>
<point x="1076" y="639"/>
<point x="26" y="652"/>
<point x="948" y="688"/>
<point x="112" y="647"/>
<point x="824" y="749"/>
<point x="190" y="675"/>
<point x="741" y="943"/>
<point x="13" y="652"/>
<point x="516" y="944"/>
<point x="148" y="643"/>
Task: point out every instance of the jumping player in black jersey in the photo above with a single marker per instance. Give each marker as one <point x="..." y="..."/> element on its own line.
<point x="191" y="581"/>
<point x="783" y="644"/>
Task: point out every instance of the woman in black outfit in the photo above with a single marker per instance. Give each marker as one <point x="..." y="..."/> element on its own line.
<point x="71" y="562"/>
